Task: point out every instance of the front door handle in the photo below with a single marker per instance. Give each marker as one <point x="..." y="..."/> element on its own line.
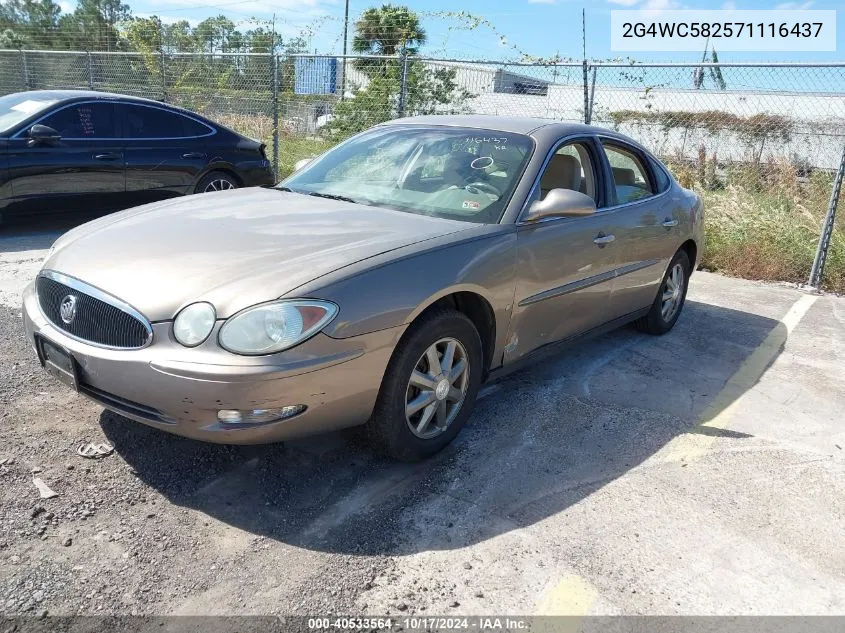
<point x="669" y="222"/>
<point x="601" y="239"/>
<point x="192" y="155"/>
<point x="107" y="156"/>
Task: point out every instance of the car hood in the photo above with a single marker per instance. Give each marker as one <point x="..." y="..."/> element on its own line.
<point x="233" y="249"/>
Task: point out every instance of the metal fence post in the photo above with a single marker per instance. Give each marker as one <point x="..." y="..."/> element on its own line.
<point x="592" y="97"/>
<point x="817" y="270"/>
<point x="586" y="93"/>
<point x="163" y="71"/>
<point x="403" y="88"/>
<point x="25" y="71"/>
<point x="274" y="61"/>
<point x="90" y="72"/>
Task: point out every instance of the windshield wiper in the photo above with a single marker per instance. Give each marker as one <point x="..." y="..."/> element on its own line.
<point x="331" y="196"/>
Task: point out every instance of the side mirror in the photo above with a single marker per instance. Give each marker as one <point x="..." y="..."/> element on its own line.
<point x="560" y="203"/>
<point x="42" y="134"/>
<point x="301" y="163"/>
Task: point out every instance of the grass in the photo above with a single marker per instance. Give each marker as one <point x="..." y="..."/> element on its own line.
<point x="292" y="146"/>
<point x="763" y="222"/>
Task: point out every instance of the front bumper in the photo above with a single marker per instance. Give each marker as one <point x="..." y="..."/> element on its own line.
<point x="180" y="390"/>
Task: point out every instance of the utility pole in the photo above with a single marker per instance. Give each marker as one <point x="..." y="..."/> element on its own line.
<point x="584" y="65"/>
<point x="345" y="38"/>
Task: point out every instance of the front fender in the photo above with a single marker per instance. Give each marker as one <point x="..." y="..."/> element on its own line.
<point x="393" y="293"/>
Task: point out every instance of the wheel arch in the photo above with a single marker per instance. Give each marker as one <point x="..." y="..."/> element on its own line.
<point x="221" y="166"/>
<point x="475" y="306"/>
<point x="691" y="249"/>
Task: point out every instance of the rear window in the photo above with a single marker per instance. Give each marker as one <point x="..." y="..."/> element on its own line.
<point x="660" y="176"/>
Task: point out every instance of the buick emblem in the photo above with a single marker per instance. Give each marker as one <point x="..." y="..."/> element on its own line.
<point x="67" y="309"/>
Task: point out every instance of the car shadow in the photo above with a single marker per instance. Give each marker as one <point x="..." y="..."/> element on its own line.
<point x="17" y="235"/>
<point x="539" y="441"/>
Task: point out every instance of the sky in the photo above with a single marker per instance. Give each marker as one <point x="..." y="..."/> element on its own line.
<point x="541" y="28"/>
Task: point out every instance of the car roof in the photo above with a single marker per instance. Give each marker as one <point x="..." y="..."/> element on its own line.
<point x="67" y="95"/>
<point x="542" y="130"/>
<point x="513" y="124"/>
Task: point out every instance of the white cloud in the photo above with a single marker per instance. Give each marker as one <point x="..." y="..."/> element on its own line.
<point x="241" y="6"/>
<point x="660" y="5"/>
<point x="67" y="7"/>
<point x="786" y="6"/>
<point x="624" y="3"/>
<point x="542" y="1"/>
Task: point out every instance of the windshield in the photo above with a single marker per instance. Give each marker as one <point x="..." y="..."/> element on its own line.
<point x="18" y="107"/>
<point x="455" y="173"/>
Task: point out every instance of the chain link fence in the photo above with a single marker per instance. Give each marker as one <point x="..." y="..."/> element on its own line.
<point x="733" y="113"/>
<point x="760" y="132"/>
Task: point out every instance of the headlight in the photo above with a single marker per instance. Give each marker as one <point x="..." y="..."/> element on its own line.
<point x="194" y="323"/>
<point x="272" y="327"/>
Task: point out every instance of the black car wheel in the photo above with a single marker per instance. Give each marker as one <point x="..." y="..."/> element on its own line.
<point x="670" y="298"/>
<point x="216" y="181"/>
<point x="429" y="388"/>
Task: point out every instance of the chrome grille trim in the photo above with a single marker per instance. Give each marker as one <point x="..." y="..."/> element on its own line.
<point x="99" y="295"/>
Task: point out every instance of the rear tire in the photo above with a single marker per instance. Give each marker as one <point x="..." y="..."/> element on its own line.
<point x="670" y="298"/>
<point x="216" y="181"/>
<point x="425" y="397"/>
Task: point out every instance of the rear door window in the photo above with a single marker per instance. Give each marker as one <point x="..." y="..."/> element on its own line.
<point x="630" y="178"/>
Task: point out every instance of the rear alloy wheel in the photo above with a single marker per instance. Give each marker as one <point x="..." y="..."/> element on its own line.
<point x="429" y="388"/>
<point x="670" y="298"/>
<point x="216" y="181"/>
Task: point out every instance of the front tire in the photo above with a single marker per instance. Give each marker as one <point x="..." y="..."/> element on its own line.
<point x="670" y="298"/>
<point x="216" y="181"/>
<point x="429" y="388"/>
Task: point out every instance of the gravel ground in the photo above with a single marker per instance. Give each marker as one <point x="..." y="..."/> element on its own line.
<point x="697" y="473"/>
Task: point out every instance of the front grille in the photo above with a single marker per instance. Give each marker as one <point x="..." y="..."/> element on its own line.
<point x="95" y="320"/>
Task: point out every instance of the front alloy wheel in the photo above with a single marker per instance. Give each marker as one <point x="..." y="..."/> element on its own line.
<point x="429" y="388"/>
<point x="437" y="388"/>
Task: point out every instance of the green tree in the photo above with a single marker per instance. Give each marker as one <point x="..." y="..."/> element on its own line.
<point x="216" y="35"/>
<point x="386" y="30"/>
<point x="31" y="23"/>
<point x="93" y="25"/>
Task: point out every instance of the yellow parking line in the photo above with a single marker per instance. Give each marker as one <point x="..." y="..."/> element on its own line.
<point x="718" y="414"/>
<point x="571" y="596"/>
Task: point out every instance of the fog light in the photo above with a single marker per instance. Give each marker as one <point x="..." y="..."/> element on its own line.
<point x="258" y="416"/>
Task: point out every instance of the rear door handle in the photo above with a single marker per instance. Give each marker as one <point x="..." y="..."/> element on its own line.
<point x="191" y="155"/>
<point x="669" y="222"/>
<point x="601" y="239"/>
<point x="107" y="156"/>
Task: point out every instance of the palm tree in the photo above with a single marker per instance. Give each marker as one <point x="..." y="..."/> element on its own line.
<point x="388" y="30"/>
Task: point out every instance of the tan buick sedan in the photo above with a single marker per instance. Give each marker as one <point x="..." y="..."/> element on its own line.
<point x="380" y="284"/>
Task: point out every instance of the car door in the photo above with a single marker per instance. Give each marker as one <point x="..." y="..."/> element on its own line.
<point x="645" y="226"/>
<point x="165" y="151"/>
<point x="81" y="168"/>
<point x="565" y="266"/>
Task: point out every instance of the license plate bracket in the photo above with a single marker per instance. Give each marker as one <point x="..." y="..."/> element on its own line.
<point x="57" y="361"/>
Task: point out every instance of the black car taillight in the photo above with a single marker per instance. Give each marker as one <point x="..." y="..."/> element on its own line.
<point x="261" y="149"/>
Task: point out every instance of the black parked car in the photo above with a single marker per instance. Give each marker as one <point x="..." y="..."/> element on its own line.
<point x="73" y="149"/>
